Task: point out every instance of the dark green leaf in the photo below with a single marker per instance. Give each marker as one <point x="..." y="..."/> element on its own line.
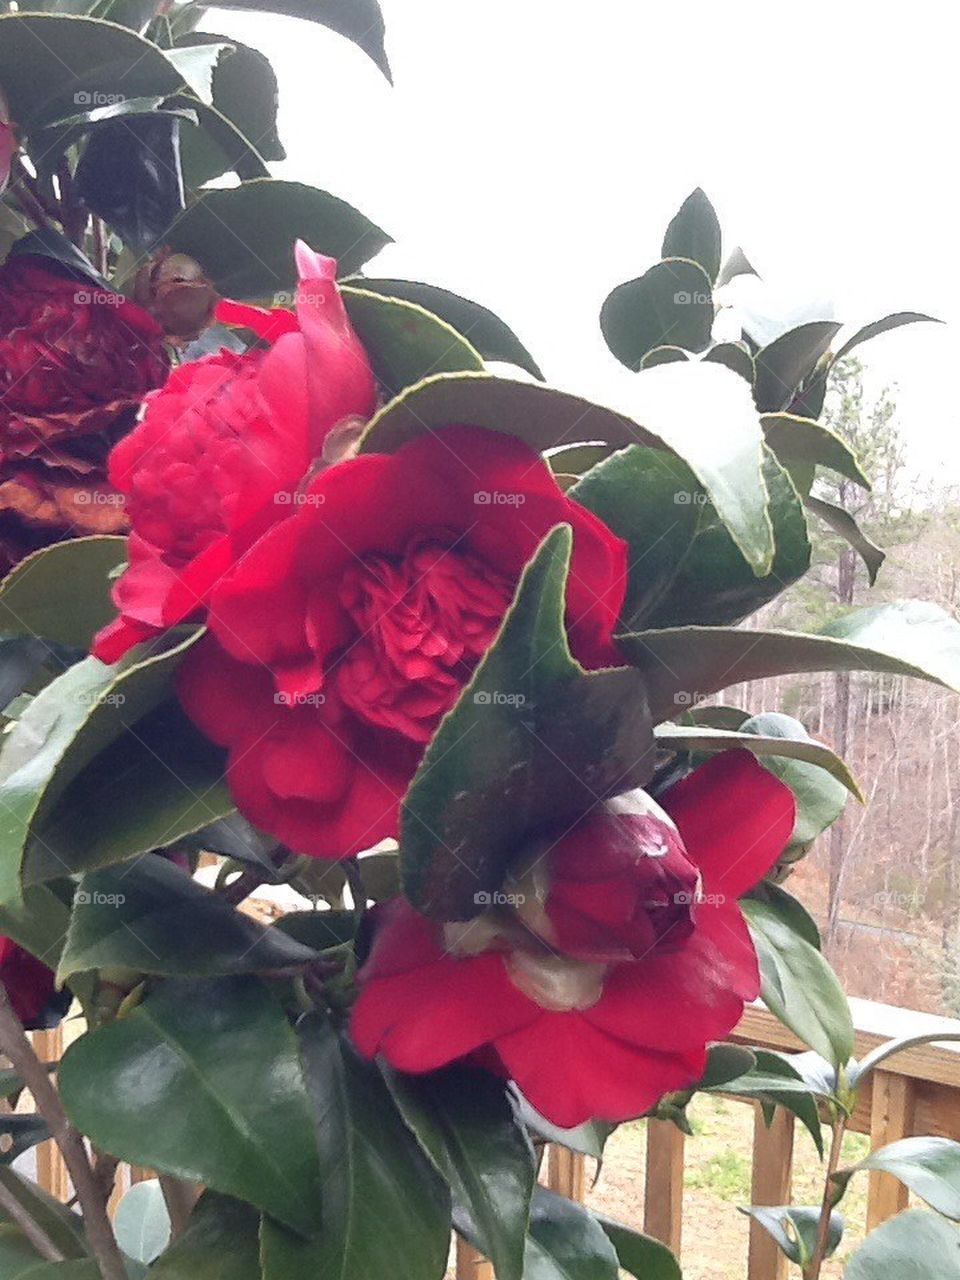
<point x="794" y="439"/>
<point x="158" y="781"/>
<point x="152" y="918"/>
<point x="736" y="356"/>
<point x="783" y="364"/>
<point x="776" y="1082"/>
<point x="843" y="524"/>
<point x="129" y="175"/>
<point x="318" y="930"/>
<point x="654" y="502"/>
<point x="589" y="1138"/>
<point x="52" y="65"/>
<point x="62" y="593"/>
<point x="485" y="331"/>
<point x="57" y="250"/>
<point x="465" y="1122"/>
<point x="882" y="326"/>
<point x="915" y="1245"/>
<point x="795" y="1228"/>
<point x="883" y="1051"/>
<point x="694" y="233"/>
<point x="539" y="738"/>
<point x="670" y="304"/>
<point x="221" y="1242"/>
<point x="385" y="1210"/>
<point x="799" y="987"/>
<point x="713" y="582"/>
<point x="405" y="342"/>
<point x="64" y="1228"/>
<point x="663" y="355"/>
<point x="930" y="1167"/>
<point x="202" y="1080"/>
<point x="359" y="20"/>
<point x="791" y="912"/>
<point x="20" y="1133"/>
<point x="577" y="459"/>
<point x="17" y="1254"/>
<point x="907" y="638"/>
<point x="726" y="1062"/>
<point x="65" y="726"/>
<point x="640" y="1255"/>
<point x="566" y="1242"/>
<point x="221" y="226"/>
<point x="38" y="922"/>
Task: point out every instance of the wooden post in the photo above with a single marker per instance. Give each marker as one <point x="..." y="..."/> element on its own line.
<point x="51" y="1169"/>
<point x="771" y="1183"/>
<point x="472" y="1265"/>
<point x="891" y="1118"/>
<point x="663" y="1193"/>
<point x="566" y="1172"/>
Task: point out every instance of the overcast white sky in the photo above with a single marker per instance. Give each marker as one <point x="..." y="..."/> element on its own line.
<point x="532" y="152"/>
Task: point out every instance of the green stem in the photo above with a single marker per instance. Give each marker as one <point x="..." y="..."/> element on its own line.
<point x="812" y="1270"/>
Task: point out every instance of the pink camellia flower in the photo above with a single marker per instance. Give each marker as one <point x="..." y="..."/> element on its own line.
<point x="593" y="1011"/>
<point x="222" y="449"/>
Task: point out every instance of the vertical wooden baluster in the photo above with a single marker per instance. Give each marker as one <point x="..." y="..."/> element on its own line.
<point x="891" y="1117"/>
<point x="51" y="1170"/>
<point x="772" y="1182"/>
<point x="472" y="1265"/>
<point x="566" y="1172"/>
<point x="663" y="1194"/>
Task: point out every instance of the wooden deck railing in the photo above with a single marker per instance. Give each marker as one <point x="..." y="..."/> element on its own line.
<point x="914" y="1092"/>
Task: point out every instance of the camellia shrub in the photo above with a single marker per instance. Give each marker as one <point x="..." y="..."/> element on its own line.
<point x="301" y="594"/>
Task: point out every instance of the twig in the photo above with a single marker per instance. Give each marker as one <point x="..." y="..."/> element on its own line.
<point x="99" y="1233"/>
<point x="29" y="1226"/>
<point x="812" y="1271"/>
<point x="179" y="1197"/>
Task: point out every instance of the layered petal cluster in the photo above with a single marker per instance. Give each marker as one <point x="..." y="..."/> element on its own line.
<point x="345" y="634"/>
<point x="223" y="447"/>
<point x="30" y="987"/>
<point x="75" y="362"/>
<point x="594" y="1011"/>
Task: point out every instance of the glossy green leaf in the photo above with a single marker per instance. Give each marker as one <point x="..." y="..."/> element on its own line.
<point x="54" y="64"/>
<point x="17" y="1254"/>
<point x="791" y="911"/>
<point x="909" y="638"/>
<point x="882" y="326"/>
<point x="915" y="1245"/>
<point x="736" y="356"/>
<point x="671" y="304"/>
<point x="465" y="1123"/>
<point x="21" y="1133"/>
<point x="541" y="416"/>
<point x="405" y="342"/>
<point x="725" y="1062"/>
<point x="539" y="738"/>
<point x="713" y="582"/>
<point x="799" y="987"/>
<point x="60" y="252"/>
<point x="566" y="1242"/>
<point x="485" y="331"/>
<point x="694" y="233"/>
<point x="129" y="175"/>
<point x="577" y="459"/>
<point x="678" y="737"/>
<point x="795" y="1229"/>
<point x="65" y="726"/>
<point x="860" y="1070"/>
<point x="64" y="1228"/>
<point x="589" y="1138"/>
<point x="361" y="21"/>
<point x="639" y="1255"/>
<point x="153" y="918"/>
<point x="142" y="1222"/>
<point x="654" y="502"/>
<point x="203" y="1081"/>
<point x="158" y="781"/>
<point x="843" y="524"/>
<point x="243" y="236"/>
<point x="783" y="363"/>
<point x="62" y="593"/>
<point x="75" y="1270"/>
<point x="801" y="440"/>
<point x="37" y="921"/>
<point x="930" y="1167"/>
<point x="663" y="355"/>
<point x="385" y="1210"/>
<point x="221" y="1242"/>
<point x="776" y="1082"/>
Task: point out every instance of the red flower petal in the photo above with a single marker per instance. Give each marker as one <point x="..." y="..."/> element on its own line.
<point x="735" y="819"/>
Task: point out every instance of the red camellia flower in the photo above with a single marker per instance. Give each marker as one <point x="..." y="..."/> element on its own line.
<point x="343" y="637"/>
<point x="8" y="143"/>
<point x="30" y="987"/>
<point x="222" y="448"/>
<point x="594" y="1010"/>
<point x="75" y="362"/>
